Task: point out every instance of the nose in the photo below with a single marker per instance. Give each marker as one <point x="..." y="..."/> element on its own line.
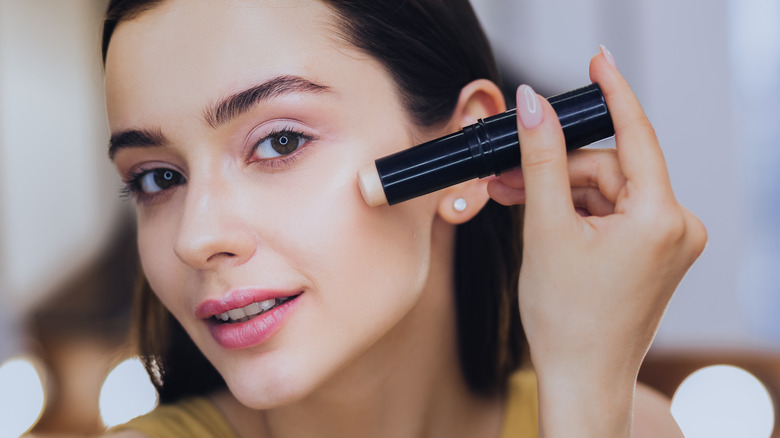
<point x="212" y="232"/>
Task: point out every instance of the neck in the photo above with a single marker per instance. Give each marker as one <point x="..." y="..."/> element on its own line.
<point x="408" y="384"/>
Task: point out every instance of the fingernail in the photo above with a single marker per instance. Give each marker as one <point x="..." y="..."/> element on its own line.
<point x="608" y="56"/>
<point x="529" y="110"/>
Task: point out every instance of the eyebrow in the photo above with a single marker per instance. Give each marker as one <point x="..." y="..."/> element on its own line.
<point x="134" y="138"/>
<point x="223" y="111"/>
<point x="239" y="103"/>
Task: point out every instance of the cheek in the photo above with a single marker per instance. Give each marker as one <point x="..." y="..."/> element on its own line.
<point x="161" y="267"/>
<point x="338" y="238"/>
<point x="370" y="247"/>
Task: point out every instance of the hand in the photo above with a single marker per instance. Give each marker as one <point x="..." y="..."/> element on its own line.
<point x="594" y="286"/>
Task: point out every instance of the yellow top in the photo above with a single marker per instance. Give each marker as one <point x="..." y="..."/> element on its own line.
<point x="197" y="417"/>
<point x="521" y="418"/>
<point x="194" y="417"/>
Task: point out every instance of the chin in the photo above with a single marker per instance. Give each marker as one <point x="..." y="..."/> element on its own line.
<point x="262" y="390"/>
<point x="269" y="398"/>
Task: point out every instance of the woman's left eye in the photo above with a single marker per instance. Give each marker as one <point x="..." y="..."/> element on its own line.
<point x="280" y="144"/>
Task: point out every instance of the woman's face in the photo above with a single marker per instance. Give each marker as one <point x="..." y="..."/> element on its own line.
<point x="241" y="126"/>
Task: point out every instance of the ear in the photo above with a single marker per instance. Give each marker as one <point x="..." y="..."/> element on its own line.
<point x="478" y="99"/>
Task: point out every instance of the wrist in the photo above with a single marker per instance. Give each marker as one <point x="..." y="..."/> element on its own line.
<point x="603" y="361"/>
<point x="585" y="404"/>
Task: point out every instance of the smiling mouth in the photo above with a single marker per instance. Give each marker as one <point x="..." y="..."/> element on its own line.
<point x="251" y="311"/>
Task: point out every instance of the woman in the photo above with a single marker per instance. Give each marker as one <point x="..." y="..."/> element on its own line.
<point x="239" y="127"/>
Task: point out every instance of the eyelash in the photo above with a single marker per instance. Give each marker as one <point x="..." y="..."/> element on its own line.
<point x="132" y="184"/>
<point x="282" y="161"/>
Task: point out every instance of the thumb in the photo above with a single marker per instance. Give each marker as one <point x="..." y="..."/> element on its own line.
<point x="543" y="151"/>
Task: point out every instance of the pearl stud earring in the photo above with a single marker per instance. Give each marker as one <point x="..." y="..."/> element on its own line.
<point x="459" y="205"/>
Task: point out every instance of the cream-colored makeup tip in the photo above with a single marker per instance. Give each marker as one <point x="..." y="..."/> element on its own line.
<point x="371" y="186"/>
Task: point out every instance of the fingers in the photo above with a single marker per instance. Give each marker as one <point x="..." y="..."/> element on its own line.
<point x="588" y="168"/>
<point x="504" y="194"/>
<point x="640" y="155"/>
<point x="591" y="202"/>
<point x="543" y="151"/>
<point x="587" y="201"/>
<point x="598" y="169"/>
<point x="513" y="178"/>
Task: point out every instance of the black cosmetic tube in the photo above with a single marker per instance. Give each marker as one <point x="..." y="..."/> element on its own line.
<point x="488" y="147"/>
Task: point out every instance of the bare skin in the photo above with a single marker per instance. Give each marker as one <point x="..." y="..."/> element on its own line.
<point x="370" y="348"/>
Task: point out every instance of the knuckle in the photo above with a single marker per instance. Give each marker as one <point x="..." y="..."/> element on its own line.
<point x="676" y="229"/>
<point x="698" y="234"/>
<point x="540" y="161"/>
<point x="607" y="167"/>
<point x="668" y="225"/>
<point x="635" y="127"/>
<point x="672" y="228"/>
<point x="643" y="123"/>
<point x="608" y="155"/>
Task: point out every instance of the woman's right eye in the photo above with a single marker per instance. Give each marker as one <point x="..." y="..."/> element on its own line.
<point x="152" y="182"/>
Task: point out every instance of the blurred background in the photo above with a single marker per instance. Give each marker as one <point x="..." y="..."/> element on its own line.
<point x="706" y="71"/>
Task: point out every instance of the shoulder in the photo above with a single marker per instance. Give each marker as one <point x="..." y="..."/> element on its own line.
<point x="652" y="415"/>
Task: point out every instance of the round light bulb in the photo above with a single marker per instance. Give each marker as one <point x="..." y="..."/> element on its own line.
<point x="723" y="401"/>
<point x="21" y="396"/>
<point x="126" y="393"/>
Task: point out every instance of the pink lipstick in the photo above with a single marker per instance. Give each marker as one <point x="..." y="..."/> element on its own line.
<point x="248" y="317"/>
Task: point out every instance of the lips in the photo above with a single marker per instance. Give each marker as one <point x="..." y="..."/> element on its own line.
<point x="246" y="318"/>
<point x="238" y="299"/>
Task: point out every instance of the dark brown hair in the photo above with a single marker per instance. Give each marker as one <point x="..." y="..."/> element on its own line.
<point x="432" y="49"/>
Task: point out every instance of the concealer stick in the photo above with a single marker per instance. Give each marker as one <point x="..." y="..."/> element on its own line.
<point x="488" y="147"/>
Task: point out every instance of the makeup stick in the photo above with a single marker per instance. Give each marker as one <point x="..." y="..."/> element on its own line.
<point x="488" y="147"/>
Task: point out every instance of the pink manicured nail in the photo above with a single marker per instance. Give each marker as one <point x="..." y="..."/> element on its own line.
<point x="529" y="110"/>
<point x="608" y="56"/>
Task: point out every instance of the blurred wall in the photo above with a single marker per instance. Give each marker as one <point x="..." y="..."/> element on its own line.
<point x="58" y="199"/>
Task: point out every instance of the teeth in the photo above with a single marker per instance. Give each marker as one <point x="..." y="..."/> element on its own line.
<point x="236" y="313"/>
<point x="247" y="312"/>
<point x="253" y="309"/>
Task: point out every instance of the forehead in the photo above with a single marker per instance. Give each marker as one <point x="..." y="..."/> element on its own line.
<point x="187" y="52"/>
